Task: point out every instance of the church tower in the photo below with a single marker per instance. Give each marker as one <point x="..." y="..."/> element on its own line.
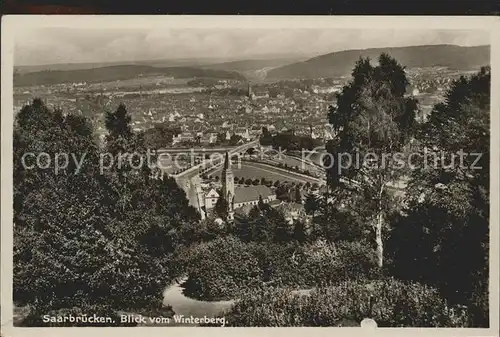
<point x="250" y="93"/>
<point x="228" y="187"/>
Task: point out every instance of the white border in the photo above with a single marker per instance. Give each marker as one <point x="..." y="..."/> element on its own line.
<point x="11" y="24"/>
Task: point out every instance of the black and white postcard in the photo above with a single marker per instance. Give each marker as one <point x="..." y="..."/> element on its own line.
<point x="165" y="173"/>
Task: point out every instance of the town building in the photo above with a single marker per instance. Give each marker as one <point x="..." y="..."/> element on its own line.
<point x="236" y="196"/>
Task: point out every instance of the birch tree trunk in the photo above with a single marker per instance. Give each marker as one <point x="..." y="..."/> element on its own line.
<point x="378" y="239"/>
<point x="379" y="221"/>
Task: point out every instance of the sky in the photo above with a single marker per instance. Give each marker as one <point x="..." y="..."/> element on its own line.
<point x="54" y="46"/>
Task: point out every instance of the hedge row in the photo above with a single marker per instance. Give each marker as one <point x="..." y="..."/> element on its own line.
<point x="226" y="267"/>
<point x="395" y="304"/>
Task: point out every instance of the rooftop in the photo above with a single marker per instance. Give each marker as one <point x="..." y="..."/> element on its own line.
<point x="251" y="193"/>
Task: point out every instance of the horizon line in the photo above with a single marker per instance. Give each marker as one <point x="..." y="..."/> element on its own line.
<point x="244" y="58"/>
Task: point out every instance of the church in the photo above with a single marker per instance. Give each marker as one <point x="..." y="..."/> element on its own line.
<point x="237" y="196"/>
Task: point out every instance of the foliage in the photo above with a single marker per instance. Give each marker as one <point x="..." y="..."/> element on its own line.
<point x="443" y="239"/>
<point x="267" y="224"/>
<point x="233" y="141"/>
<point x="298" y="195"/>
<point x="87" y="239"/>
<point x="225" y="266"/>
<point x="220" y="269"/>
<point x="221" y="207"/>
<point x="311" y="204"/>
<point x="288" y="141"/>
<point x="333" y="224"/>
<point x="321" y="263"/>
<point x="372" y="118"/>
<point x="159" y="136"/>
<point x="395" y="304"/>
<point x="300" y="232"/>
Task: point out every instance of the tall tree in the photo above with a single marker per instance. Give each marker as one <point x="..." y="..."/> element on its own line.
<point x="298" y="195"/>
<point x="268" y="224"/>
<point x="311" y="205"/>
<point x="126" y="163"/>
<point x="221" y="208"/>
<point x="299" y="232"/>
<point x="373" y="121"/>
<point x="118" y="122"/>
<point x="54" y="267"/>
<point x="444" y="238"/>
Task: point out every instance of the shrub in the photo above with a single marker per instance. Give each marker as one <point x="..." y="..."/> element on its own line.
<point x="220" y="269"/>
<point x="316" y="264"/>
<point x="396" y="304"/>
<point x="267" y="307"/>
<point x="321" y="263"/>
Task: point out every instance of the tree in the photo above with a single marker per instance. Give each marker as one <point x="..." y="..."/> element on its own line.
<point x="221" y="138"/>
<point x="127" y="171"/>
<point x="248" y="181"/>
<point x="159" y="136"/>
<point x="268" y="224"/>
<point x="222" y="207"/>
<point x="256" y="182"/>
<point x="234" y="140"/>
<point x="243" y="229"/>
<point x="242" y="180"/>
<point x="299" y="232"/>
<point x="298" y="195"/>
<point x="374" y="119"/>
<point x="282" y="193"/>
<point x="112" y="257"/>
<point x="311" y="205"/>
<point x="266" y="138"/>
<point x="443" y="240"/>
<point x="261" y="204"/>
<point x="118" y="122"/>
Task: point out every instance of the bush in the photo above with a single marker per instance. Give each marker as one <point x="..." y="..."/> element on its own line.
<point x="315" y="264"/>
<point x="326" y="263"/>
<point x="321" y="263"/>
<point x="221" y="269"/>
<point x="395" y="304"/>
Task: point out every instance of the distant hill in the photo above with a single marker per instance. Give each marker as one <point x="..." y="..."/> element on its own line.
<point x="164" y="63"/>
<point x="341" y="63"/>
<point x="252" y="65"/>
<point x="119" y="72"/>
<point x="254" y="69"/>
<point x="230" y="64"/>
